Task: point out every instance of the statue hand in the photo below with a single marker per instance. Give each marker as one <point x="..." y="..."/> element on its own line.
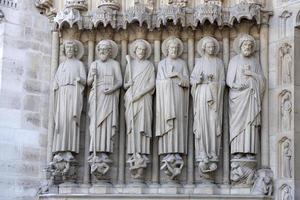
<point x="93" y="71"/>
<point x="243" y="86"/>
<point x="77" y="79"/>
<point x="55" y="86"/>
<point x="108" y="91"/>
<point x="135" y="98"/>
<point x="210" y="77"/>
<point x="248" y="73"/>
<point x="173" y="75"/>
<point x="129" y="83"/>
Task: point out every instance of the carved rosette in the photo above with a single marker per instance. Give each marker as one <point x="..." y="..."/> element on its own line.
<point x="139" y="13"/>
<point x="170" y="12"/>
<point x="69" y="16"/>
<point x="245" y="10"/>
<point x="210" y="12"/>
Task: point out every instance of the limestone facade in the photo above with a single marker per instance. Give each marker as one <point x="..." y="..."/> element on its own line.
<point x="32" y="48"/>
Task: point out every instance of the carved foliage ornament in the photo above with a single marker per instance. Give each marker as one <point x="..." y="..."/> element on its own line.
<point x="104" y="15"/>
<point x="139" y="13"/>
<point x="170" y="12"/>
<point x="210" y="12"/>
<point x="245" y="10"/>
<point x="69" y="16"/>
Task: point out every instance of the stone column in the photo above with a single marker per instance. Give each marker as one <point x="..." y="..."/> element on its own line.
<point x="155" y="156"/>
<point x="91" y="52"/>
<point x="226" y="142"/>
<point x="264" y="60"/>
<point x="54" y="65"/>
<point x="190" y="157"/>
<point x="122" y="131"/>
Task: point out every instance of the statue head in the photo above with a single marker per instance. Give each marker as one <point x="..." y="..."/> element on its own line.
<point x="247" y="45"/>
<point x="107" y="49"/>
<point x="104" y="49"/>
<point x="140" y="49"/>
<point x="208" y="46"/>
<point x="73" y="49"/>
<point x="70" y="49"/>
<point x="172" y="47"/>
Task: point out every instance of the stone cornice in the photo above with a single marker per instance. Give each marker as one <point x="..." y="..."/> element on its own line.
<point x="182" y="16"/>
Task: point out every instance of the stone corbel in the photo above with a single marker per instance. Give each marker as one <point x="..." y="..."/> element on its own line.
<point x="70" y="16"/>
<point x="170" y="12"/>
<point x="46" y="7"/>
<point x="139" y="13"/>
<point x="207" y="12"/>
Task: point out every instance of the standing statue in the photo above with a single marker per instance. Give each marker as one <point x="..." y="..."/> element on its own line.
<point x="139" y="81"/>
<point x="286" y="111"/>
<point x="247" y="83"/>
<point x="208" y="82"/>
<point x="286" y="158"/>
<point x="286" y="63"/>
<point x="172" y="85"/>
<point x="106" y="79"/>
<point x="69" y="83"/>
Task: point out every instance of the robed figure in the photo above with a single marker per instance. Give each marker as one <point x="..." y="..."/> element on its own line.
<point x="140" y="85"/>
<point x="208" y="81"/>
<point x="247" y="83"/>
<point x="172" y="85"/>
<point x="139" y="82"/>
<point x="106" y="114"/>
<point x="69" y="83"/>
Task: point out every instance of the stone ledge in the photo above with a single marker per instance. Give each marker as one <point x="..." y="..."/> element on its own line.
<point x="148" y="197"/>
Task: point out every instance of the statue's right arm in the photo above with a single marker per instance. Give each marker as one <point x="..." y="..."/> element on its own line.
<point x="90" y="79"/>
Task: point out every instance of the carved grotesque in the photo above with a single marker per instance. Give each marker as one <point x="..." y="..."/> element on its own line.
<point x="208" y="81"/>
<point x="172" y="84"/>
<point x="139" y="81"/>
<point x="263" y="184"/>
<point x="106" y="79"/>
<point x="68" y="85"/>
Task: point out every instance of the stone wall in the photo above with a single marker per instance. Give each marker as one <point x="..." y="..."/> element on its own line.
<point x="24" y="73"/>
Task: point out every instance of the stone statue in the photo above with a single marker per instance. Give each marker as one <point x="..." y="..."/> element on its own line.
<point x="208" y="81"/>
<point x="286" y="63"/>
<point x="287" y="193"/>
<point x="106" y="79"/>
<point x="263" y="184"/>
<point x="286" y="111"/>
<point x="247" y="83"/>
<point x="172" y="85"/>
<point x="68" y="85"/>
<point x="139" y="81"/>
<point x="286" y="158"/>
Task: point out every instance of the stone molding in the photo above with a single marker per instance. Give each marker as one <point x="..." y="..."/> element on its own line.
<point x="186" y="17"/>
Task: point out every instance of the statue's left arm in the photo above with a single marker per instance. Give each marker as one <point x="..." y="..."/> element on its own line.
<point x="184" y="82"/>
